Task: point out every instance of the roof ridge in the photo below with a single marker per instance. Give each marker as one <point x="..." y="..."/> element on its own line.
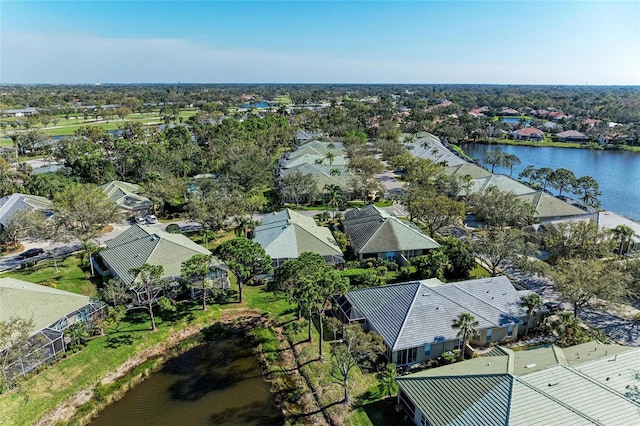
<point x="407" y="313"/>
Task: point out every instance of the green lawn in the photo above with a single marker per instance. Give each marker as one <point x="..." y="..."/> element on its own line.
<point x="72" y="275"/>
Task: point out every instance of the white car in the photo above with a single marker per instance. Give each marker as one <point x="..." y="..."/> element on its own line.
<point x="141" y="220"/>
<point x="151" y="219"/>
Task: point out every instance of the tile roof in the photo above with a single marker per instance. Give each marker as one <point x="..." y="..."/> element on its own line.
<point x="372" y="230"/>
<point x="530" y="131"/>
<point x="141" y="244"/>
<point x="571" y="134"/>
<point x="411" y="314"/>
<point x="287" y="234"/>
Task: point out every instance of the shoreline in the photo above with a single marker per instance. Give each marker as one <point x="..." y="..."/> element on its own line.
<point x="594" y="146"/>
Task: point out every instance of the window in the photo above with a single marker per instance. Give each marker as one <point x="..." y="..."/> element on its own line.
<point x="510" y="330"/>
<point x="427" y="350"/>
<point x="457" y="345"/>
<point x="407" y="356"/>
<point x="424" y="421"/>
<point x="489" y="334"/>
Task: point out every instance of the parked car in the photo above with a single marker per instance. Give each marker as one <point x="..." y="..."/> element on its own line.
<point x="140" y="220"/>
<point x="31" y="253"/>
<point x="553" y="307"/>
<point x="151" y="219"/>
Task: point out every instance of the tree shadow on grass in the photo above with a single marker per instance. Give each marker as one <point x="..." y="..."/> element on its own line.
<point x="383" y="412"/>
<point x="114" y="342"/>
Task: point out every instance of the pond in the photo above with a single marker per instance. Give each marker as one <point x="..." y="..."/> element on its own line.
<point x="217" y="383"/>
<point x="617" y="172"/>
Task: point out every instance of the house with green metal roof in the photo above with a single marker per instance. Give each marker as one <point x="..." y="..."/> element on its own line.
<point x="52" y="311"/>
<point x="415" y="318"/>
<point x="128" y="197"/>
<point x="587" y="384"/>
<point x="142" y="244"/>
<point x="286" y="234"/>
<point x="547" y="207"/>
<point x="373" y="232"/>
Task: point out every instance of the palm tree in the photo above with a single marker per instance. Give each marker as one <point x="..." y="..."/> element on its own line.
<point x="335" y="172"/>
<point x="330" y="156"/>
<point x="466" y="325"/>
<point x="624" y="233"/>
<point x="334" y="196"/>
<point x="530" y="302"/>
<point x="387" y="378"/>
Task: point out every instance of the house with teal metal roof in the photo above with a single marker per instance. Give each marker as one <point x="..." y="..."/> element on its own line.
<point x="286" y="234"/>
<point x="587" y="384"/>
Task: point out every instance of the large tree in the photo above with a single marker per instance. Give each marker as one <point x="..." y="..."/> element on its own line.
<point x="148" y="278"/>
<point x="499" y="208"/>
<point x="246" y="259"/>
<point x="588" y="191"/>
<point x="298" y="187"/>
<point x="436" y="212"/>
<point x="562" y="179"/>
<point x="582" y="282"/>
<point x="466" y="325"/>
<point x="82" y="211"/>
<point x="195" y="271"/>
<point x="16" y="345"/>
<point x="499" y="246"/>
<point x="580" y="239"/>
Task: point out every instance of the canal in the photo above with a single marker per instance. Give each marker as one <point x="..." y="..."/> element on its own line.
<point x="617" y="172"/>
<point x="217" y="383"/>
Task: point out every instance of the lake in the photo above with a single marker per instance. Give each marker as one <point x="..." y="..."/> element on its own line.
<point x="218" y="383"/>
<point x="617" y="172"/>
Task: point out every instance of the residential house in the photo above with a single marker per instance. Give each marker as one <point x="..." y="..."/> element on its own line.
<point x="142" y="244"/>
<point x="547" y="207"/>
<point x="431" y="148"/>
<point x="128" y="197"/>
<point x="23" y="112"/>
<point x="373" y="232"/>
<point x="508" y="111"/>
<point x="52" y="311"/>
<point x="286" y="234"/>
<point x="415" y="318"/>
<point x="303" y="136"/>
<point x="12" y="204"/>
<point x="571" y="136"/>
<point x="528" y="134"/>
<point x="501" y="182"/>
<point x="587" y="384"/>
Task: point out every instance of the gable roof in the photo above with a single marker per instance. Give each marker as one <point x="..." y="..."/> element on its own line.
<point x="287" y="234"/>
<point x="468" y="169"/>
<point x="142" y="244"/>
<point x="429" y="147"/>
<point x="372" y="230"/>
<point x="529" y="131"/>
<point x="44" y="305"/>
<point x="571" y="134"/>
<point x="11" y="204"/>
<point x="573" y="392"/>
<point x="322" y="172"/>
<point x="548" y="206"/>
<point x="126" y="195"/>
<point x="412" y="314"/>
<point x="502" y="182"/>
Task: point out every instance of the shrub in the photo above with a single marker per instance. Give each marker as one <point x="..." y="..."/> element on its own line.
<point x="173" y="228"/>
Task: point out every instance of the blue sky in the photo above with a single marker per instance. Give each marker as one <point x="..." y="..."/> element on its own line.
<point x="504" y="42"/>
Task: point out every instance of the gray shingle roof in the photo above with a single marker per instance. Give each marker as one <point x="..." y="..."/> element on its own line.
<point x="409" y="315"/>
<point x="141" y="244"/>
<point x="372" y="230"/>
<point x="126" y="195"/>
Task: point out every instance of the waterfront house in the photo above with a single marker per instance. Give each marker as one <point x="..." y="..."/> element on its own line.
<point x="528" y="134"/>
<point x="415" y="318"/>
<point x="52" y="311"/>
<point x="587" y="384"/>
<point x="571" y="136"/>
<point x="373" y="232"/>
<point x="22" y="112"/>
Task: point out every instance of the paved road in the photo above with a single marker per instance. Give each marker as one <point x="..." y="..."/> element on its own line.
<point x="615" y="325"/>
